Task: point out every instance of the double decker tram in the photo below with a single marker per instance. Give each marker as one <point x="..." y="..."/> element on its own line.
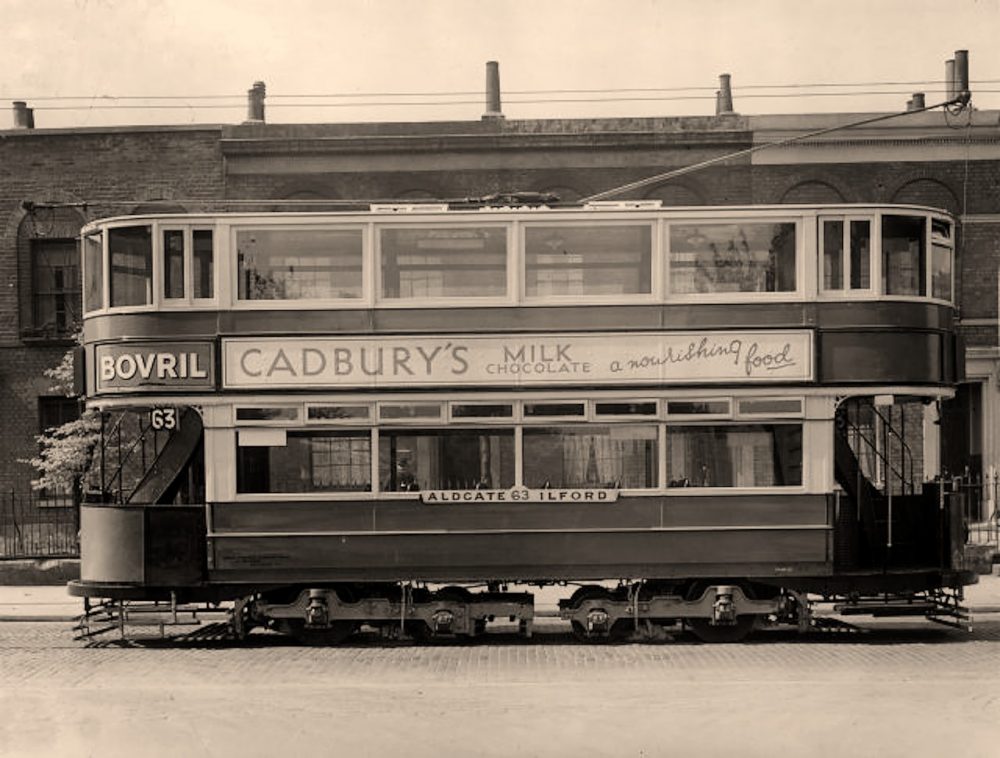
<point x="707" y="417"/>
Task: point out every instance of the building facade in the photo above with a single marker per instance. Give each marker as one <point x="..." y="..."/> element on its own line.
<point x="54" y="181"/>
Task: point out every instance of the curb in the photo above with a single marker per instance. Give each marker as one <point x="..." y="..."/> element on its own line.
<point x="37" y="573"/>
<point x="39" y="618"/>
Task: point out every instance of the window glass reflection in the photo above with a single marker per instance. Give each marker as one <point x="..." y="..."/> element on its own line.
<point x="589" y="457"/>
<point x="465" y="459"/>
<point x="904" y="259"/>
<point x="588" y="260"/>
<point x="750" y="257"/>
<point x="308" y="462"/>
<point x="130" y="249"/>
<point x="941" y="264"/>
<point x="296" y="264"/>
<point x="757" y="455"/>
<point x="203" y="257"/>
<point x="93" y="261"/>
<point x="443" y="263"/>
<point x="173" y="264"/>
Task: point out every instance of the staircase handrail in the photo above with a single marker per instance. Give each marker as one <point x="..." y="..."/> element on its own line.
<point x="124" y="458"/>
<point x="906" y="455"/>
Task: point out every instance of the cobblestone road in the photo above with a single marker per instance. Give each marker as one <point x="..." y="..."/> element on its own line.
<point x="900" y="690"/>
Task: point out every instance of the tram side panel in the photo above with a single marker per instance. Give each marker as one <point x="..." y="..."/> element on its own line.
<point x="751" y="535"/>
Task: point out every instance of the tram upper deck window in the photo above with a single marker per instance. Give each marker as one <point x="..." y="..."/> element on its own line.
<point x="591" y="457"/>
<point x="298" y="264"/>
<point x="466" y="459"/>
<point x="93" y="266"/>
<point x="730" y="455"/>
<point x="904" y="255"/>
<point x="187" y="255"/>
<point x="737" y="257"/>
<point x="942" y="259"/>
<point x="587" y="260"/>
<point x="173" y="264"/>
<point x="203" y="263"/>
<point x="429" y="264"/>
<point x="130" y="249"/>
<point x="846" y="253"/>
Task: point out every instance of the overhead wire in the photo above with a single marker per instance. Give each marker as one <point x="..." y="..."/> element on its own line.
<point x="511" y="97"/>
<point x="439" y="103"/>
<point x="458" y="93"/>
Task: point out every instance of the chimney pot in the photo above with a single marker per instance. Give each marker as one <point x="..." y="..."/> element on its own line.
<point x="24" y="117"/>
<point x="493" y="91"/>
<point x="918" y="102"/>
<point x="724" y="98"/>
<point x="949" y="79"/>
<point x="961" y="74"/>
<point x="255" y="103"/>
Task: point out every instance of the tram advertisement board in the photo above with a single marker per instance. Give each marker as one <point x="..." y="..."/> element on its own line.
<point x="126" y="367"/>
<point x="519" y="359"/>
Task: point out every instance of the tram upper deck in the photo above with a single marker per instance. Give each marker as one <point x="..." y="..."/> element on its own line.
<point x="864" y="292"/>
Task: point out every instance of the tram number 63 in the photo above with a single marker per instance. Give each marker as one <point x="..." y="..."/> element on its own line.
<point x="163" y="419"/>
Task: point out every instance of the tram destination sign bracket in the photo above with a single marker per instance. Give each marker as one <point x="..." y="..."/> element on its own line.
<point x="520" y="360"/>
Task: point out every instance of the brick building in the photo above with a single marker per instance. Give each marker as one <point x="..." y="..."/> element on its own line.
<point x="930" y="158"/>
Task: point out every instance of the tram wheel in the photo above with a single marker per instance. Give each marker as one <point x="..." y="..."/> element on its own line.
<point x="619" y="629"/>
<point x="705" y="631"/>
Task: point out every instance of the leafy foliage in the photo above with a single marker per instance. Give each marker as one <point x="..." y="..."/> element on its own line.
<point x="67" y="451"/>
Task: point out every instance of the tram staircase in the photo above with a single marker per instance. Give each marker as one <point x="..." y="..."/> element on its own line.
<point x="892" y="526"/>
<point x="136" y="463"/>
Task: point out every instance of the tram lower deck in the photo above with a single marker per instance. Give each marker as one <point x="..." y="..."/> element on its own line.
<point x="743" y="513"/>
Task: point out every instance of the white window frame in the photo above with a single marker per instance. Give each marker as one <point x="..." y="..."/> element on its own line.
<point x="156" y="301"/>
<point x="874" y="252"/>
<point x="950" y="244"/>
<point x="801" y="289"/>
<point x="327" y="303"/>
<point x="510" y="261"/>
<point x="655" y="294"/>
<point x="366" y="422"/>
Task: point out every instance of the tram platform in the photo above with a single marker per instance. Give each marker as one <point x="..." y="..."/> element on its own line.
<point x="53" y="603"/>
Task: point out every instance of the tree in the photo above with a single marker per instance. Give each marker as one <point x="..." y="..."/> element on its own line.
<point x="66" y="452"/>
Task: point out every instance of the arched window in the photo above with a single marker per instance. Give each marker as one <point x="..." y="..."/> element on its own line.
<point x="927" y="192"/>
<point x="812" y="191"/>
<point x="674" y="195"/>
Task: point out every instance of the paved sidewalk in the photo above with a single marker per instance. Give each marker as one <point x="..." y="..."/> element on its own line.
<point x="53" y="603"/>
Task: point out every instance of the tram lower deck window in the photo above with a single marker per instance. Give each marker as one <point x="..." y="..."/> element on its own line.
<point x="308" y="462"/>
<point x="412" y="460"/>
<point x="590" y="457"/>
<point x="744" y="455"/>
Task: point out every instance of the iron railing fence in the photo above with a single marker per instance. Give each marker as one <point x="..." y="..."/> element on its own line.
<point x="982" y="508"/>
<point x="38" y="525"/>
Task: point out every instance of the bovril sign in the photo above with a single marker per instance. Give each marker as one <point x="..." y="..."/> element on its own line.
<point x="154" y="366"/>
